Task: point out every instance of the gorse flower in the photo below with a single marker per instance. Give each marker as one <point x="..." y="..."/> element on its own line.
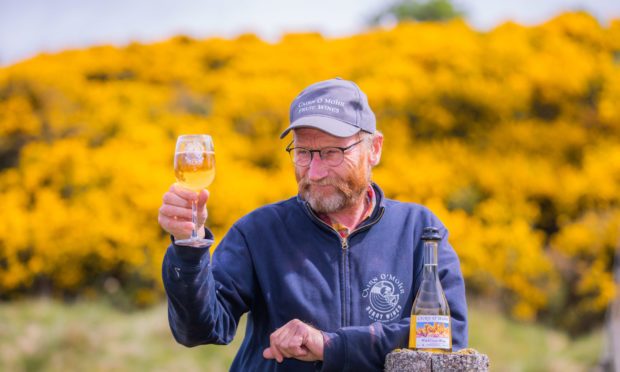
<point x="512" y="137"/>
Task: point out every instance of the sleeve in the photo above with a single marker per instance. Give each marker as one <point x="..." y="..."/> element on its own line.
<point x="364" y="348"/>
<point x="206" y="297"/>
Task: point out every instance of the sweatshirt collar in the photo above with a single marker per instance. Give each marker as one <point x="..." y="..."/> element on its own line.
<point x="343" y="230"/>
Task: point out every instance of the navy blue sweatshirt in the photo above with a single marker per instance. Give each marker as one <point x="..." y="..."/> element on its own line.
<point x="282" y="262"/>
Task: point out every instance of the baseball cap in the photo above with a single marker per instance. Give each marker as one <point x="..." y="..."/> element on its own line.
<point x="335" y="106"/>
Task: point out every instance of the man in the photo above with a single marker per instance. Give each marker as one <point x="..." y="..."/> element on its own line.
<point x="328" y="277"/>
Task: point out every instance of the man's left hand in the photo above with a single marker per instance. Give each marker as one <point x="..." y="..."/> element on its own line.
<point x="295" y="339"/>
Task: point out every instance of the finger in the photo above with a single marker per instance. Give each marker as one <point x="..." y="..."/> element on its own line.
<point x="201" y="206"/>
<point x="203" y="196"/>
<point x="268" y="354"/>
<point x="174" y="211"/>
<point x="179" y="228"/>
<point x="183" y="193"/>
<point x="301" y="351"/>
<point x="202" y="215"/>
<point x="277" y="354"/>
<point x="174" y="225"/>
<point x="289" y="339"/>
<point x="297" y="340"/>
<point x="273" y="346"/>
<point x="314" y="343"/>
<point x="171" y="198"/>
<point x="277" y="340"/>
<point x="305" y="341"/>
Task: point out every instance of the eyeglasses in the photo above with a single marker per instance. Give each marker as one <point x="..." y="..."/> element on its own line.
<point x="332" y="156"/>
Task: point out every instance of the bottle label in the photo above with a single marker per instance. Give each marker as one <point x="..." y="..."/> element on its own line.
<point x="432" y="332"/>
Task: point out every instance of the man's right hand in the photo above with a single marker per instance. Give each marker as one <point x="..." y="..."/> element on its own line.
<point x="175" y="213"/>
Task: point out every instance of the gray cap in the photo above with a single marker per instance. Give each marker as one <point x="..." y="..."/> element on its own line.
<point x="335" y="106"/>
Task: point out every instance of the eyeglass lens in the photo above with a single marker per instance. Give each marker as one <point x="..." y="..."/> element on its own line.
<point x="331" y="155"/>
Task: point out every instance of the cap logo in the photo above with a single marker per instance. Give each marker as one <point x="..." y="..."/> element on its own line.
<point x="337" y="107"/>
<point x="322" y="104"/>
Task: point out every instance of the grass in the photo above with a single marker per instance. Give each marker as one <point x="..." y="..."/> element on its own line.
<point x="46" y="336"/>
<point x="49" y="336"/>
<point x="513" y="346"/>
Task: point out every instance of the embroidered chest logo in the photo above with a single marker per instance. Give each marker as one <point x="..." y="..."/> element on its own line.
<point x="383" y="292"/>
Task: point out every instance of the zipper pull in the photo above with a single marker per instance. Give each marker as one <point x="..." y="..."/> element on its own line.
<point x="345" y="244"/>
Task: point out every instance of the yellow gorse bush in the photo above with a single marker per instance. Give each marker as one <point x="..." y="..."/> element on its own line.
<point x="511" y="136"/>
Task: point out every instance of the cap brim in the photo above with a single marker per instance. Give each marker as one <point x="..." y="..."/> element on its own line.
<point x="328" y="125"/>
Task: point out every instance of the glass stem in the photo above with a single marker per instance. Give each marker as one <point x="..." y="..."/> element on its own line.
<point x="194" y="220"/>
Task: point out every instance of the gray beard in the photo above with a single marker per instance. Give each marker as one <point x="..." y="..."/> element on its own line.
<point x="348" y="193"/>
<point x="343" y="198"/>
<point x="330" y="204"/>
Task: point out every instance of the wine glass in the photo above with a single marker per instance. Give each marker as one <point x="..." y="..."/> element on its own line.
<point x="194" y="168"/>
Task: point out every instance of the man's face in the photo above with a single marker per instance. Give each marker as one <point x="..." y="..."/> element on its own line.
<point x="332" y="189"/>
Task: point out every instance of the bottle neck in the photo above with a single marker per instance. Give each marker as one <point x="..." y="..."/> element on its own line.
<point x="430" y="253"/>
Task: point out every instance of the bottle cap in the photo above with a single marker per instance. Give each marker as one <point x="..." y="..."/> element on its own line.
<point x="431" y="233"/>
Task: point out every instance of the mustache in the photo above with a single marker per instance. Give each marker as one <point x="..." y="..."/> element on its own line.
<point x="322" y="182"/>
<point x="342" y="187"/>
<point x="339" y="184"/>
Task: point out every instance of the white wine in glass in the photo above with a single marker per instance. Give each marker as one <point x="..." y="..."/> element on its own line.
<point x="194" y="168"/>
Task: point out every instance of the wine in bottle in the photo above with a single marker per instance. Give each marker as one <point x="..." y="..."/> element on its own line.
<point x="430" y="315"/>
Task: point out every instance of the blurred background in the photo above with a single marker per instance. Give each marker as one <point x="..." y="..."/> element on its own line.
<point x="502" y="117"/>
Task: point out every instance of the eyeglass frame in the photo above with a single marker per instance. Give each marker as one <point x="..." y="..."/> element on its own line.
<point x="342" y="150"/>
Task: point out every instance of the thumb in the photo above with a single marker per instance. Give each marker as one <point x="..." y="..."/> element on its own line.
<point x="203" y="196"/>
<point x="268" y="354"/>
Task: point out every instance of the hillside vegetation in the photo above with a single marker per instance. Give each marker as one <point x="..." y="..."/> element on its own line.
<point x="47" y="336"/>
<point x="512" y="137"/>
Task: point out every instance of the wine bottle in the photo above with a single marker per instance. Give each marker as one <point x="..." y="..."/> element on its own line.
<point x="430" y="315"/>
